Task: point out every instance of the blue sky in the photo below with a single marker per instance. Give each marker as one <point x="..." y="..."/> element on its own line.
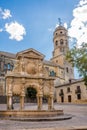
<point x="34" y="22"/>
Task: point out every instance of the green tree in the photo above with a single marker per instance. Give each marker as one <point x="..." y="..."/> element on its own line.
<point x="78" y="58"/>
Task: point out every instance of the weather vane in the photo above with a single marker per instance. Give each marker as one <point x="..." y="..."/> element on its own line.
<point x="59" y="21"/>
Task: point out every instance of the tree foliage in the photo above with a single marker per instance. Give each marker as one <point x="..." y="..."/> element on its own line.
<point x="78" y="58"/>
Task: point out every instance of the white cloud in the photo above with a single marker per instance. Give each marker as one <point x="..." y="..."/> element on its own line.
<point x="16" y="30"/>
<point x="82" y="2"/>
<point x="5" y="14"/>
<point x="1" y="29"/>
<point x="78" y="29"/>
<point x="65" y="25"/>
<point x="56" y="25"/>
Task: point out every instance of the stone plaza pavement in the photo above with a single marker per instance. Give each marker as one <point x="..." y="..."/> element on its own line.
<point x="78" y="121"/>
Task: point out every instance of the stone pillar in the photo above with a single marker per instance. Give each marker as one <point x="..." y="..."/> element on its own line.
<point x="39" y="101"/>
<point x="9" y="97"/>
<point x="22" y="94"/>
<point x="51" y="95"/>
<point x="22" y="99"/>
<point x="9" y="102"/>
<point x="22" y="102"/>
<point x="49" y="104"/>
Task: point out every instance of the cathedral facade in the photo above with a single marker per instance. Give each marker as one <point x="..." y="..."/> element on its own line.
<point x="57" y="67"/>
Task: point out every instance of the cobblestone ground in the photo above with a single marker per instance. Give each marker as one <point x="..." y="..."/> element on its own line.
<point x="79" y="119"/>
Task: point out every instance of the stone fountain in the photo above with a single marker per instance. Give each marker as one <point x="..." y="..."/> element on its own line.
<point x="30" y="72"/>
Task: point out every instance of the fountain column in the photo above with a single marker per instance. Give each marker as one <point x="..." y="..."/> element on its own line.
<point x="22" y="102"/>
<point x="22" y="94"/>
<point x="51" y="102"/>
<point x="49" y="105"/>
<point x="39" y="101"/>
<point x="9" y="97"/>
<point x="51" y="96"/>
<point x="9" y="102"/>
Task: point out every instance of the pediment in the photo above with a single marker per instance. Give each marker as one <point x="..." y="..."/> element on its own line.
<point x="30" y="53"/>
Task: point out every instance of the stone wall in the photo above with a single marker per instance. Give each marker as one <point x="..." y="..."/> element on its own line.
<point x="3" y="98"/>
<point x="2" y="86"/>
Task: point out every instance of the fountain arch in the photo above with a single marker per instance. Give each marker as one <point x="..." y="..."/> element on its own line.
<point x="31" y="95"/>
<point x="29" y="71"/>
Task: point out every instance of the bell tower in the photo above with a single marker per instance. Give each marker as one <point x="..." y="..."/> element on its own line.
<point x="61" y="46"/>
<point x="60" y="40"/>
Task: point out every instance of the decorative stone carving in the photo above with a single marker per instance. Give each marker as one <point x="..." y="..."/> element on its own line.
<point x="17" y="89"/>
<point x="31" y="68"/>
<point x="22" y="65"/>
<point x="29" y="71"/>
<point x="42" y="70"/>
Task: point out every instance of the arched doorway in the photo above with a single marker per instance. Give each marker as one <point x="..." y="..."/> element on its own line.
<point x="31" y="95"/>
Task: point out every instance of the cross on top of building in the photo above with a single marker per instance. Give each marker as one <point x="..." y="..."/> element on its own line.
<point x="59" y="21"/>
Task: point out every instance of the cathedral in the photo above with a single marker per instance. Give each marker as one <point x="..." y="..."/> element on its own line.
<point x="67" y="89"/>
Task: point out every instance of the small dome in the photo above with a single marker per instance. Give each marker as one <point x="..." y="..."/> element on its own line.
<point x="60" y="28"/>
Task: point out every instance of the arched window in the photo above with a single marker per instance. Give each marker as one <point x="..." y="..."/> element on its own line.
<point x="8" y="66"/>
<point x="52" y="73"/>
<point x="61" y="42"/>
<point x="56" y="42"/>
<point x="68" y="89"/>
<point x="61" y="32"/>
<point x="61" y="92"/>
<point x="78" y="90"/>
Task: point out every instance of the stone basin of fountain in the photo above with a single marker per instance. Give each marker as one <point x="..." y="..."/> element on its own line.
<point x="31" y="113"/>
<point x="34" y="115"/>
